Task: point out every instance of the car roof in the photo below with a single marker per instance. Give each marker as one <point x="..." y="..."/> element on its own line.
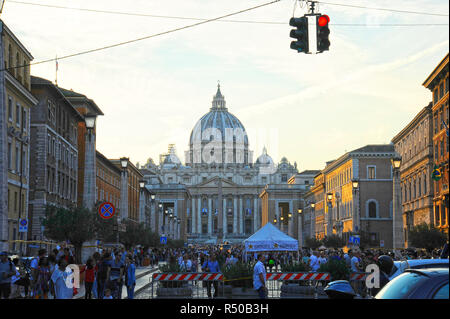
<point x="416" y="262"/>
<point x="430" y="272"/>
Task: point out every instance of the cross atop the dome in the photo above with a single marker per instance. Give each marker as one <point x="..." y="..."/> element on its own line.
<point x="218" y="100"/>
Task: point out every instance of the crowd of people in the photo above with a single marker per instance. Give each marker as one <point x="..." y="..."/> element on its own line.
<point x="108" y="270"/>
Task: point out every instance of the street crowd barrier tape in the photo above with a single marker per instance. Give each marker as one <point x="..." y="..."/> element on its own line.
<point x="299" y="276"/>
<point x="313" y="276"/>
<point x="188" y="277"/>
<point x="358" y="276"/>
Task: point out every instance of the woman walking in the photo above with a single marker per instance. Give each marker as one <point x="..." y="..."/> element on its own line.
<point x="42" y="281"/>
<point x="89" y="278"/>
<point x="130" y="276"/>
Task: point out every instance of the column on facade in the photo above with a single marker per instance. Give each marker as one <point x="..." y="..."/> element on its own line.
<point x="397" y="220"/>
<point x="277" y="215"/>
<point x="300" y="229"/>
<point x="255" y="214"/>
<point x="224" y="215"/>
<point x="153" y="217"/>
<point x="235" y="215"/>
<point x="160" y="219"/>
<point x="290" y="220"/>
<point x="193" y="215"/>
<point x="199" y="214"/>
<point x="241" y="216"/>
<point x="124" y="194"/>
<point x="210" y="215"/>
<point x="313" y="221"/>
<point x="142" y="206"/>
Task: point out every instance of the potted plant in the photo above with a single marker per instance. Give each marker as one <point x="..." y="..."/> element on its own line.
<point x="240" y="277"/>
<point x="296" y="288"/>
<point x="173" y="289"/>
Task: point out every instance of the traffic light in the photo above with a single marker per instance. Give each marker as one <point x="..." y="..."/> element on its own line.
<point x="301" y="34"/>
<point x="323" y="43"/>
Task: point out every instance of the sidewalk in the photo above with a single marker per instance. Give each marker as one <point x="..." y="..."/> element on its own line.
<point x="141" y="282"/>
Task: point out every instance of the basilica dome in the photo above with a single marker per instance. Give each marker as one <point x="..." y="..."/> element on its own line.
<point x="218" y="125"/>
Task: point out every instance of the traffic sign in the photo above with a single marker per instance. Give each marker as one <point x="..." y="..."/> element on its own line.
<point x="163" y="240"/>
<point x="106" y="210"/>
<point x="23" y="225"/>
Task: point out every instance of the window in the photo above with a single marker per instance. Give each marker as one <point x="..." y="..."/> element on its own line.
<point x="283" y="178"/>
<point x="372" y="209"/>
<point x="18" y="114"/>
<point x="10" y="108"/>
<point x="442" y="293"/>
<point x="442" y="148"/>
<point x="371" y="172"/>
<point x="436" y="216"/>
<point x="17" y="159"/>
<point x="24" y="120"/>
<point x="9" y="155"/>
<point x="436" y="152"/>
<point x="441" y="90"/>
<point x="264" y="180"/>
<point x="24" y="163"/>
<point x="446" y="85"/>
<point x="435" y="96"/>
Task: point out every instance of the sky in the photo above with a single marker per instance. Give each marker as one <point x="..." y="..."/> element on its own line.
<point x="308" y="108"/>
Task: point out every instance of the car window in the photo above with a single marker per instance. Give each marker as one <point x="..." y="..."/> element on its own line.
<point x="442" y="293"/>
<point x="402" y="286"/>
<point x="430" y="266"/>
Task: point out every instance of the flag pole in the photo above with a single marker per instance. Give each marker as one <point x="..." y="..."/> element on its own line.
<point x="56" y="71"/>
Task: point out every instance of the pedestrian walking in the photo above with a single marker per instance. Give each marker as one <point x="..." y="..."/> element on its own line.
<point x="7" y="270"/>
<point x="211" y="266"/>
<point x="42" y="287"/>
<point x="103" y="274"/>
<point x="90" y="269"/>
<point x="130" y="277"/>
<point x="116" y="276"/>
<point x="61" y="284"/>
<point x="259" y="277"/>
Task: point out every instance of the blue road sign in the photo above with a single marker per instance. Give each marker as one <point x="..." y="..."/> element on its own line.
<point x="106" y="210"/>
<point x="163" y="240"/>
<point x="23" y="225"/>
<point x="356" y="241"/>
<point x="350" y="240"/>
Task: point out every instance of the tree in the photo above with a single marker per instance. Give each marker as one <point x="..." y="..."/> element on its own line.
<point x="426" y="236"/>
<point x="312" y="243"/>
<point x="334" y="241"/>
<point x="76" y="224"/>
<point x="135" y="234"/>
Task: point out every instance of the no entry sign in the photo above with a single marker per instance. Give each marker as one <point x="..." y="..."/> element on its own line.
<point x="106" y="210"/>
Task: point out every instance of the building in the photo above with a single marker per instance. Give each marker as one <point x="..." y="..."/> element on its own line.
<point x="86" y="147"/>
<point x="108" y="182"/>
<point x="437" y="83"/>
<point x="54" y="153"/>
<point x="16" y="105"/>
<point x="341" y="207"/>
<point x="414" y="143"/>
<point x="218" y="189"/>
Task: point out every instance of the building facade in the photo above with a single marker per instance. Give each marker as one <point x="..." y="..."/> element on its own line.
<point x="437" y="83"/>
<point x="17" y="103"/>
<point x="415" y="145"/>
<point x="219" y="185"/>
<point x="108" y="182"/>
<point x="54" y="153"/>
<point x="334" y="206"/>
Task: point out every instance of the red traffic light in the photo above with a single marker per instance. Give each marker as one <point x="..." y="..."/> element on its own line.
<point x="323" y="20"/>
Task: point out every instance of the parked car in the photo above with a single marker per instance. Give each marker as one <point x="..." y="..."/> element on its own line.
<point x="401" y="266"/>
<point x="431" y="283"/>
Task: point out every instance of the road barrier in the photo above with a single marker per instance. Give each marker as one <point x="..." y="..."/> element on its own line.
<point x="305" y="285"/>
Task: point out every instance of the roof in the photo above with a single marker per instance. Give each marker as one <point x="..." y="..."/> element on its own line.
<point x="375" y="148"/>
<point x="41" y="81"/>
<point x="13" y="36"/>
<point x="72" y="95"/>
<point x="270" y="238"/>
<point x="107" y="161"/>
<point x="309" y="172"/>
<point x="436" y="72"/>
<point x="414" y="122"/>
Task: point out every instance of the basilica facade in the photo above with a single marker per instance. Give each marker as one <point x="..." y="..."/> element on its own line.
<point x="215" y="195"/>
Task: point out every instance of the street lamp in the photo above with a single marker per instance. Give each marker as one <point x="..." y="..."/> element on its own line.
<point x="275" y="221"/>
<point x="313" y="205"/>
<point x="90" y="121"/>
<point x="356" y="221"/>
<point x="299" y="210"/>
<point x="397" y="220"/>
<point x="329" y="197"/>
<point x="141" y="184"/>
<point x="152" y="197"/>
<point x="124" y="162"/>
<point x="290" y="215"/>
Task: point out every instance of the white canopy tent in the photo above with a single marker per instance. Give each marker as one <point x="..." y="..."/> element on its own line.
<point x="270" y="238"/>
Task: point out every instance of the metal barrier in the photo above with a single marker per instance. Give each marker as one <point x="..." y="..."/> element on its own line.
<point x="305" y="285"/>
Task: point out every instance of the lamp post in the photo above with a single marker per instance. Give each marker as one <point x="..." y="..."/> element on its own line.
<point x="89" y="163"/>
<point x="152" y="213"/>
<point x="356" y="218"/>
<point x="160" y="218"/>
<point x="330" y="217"/>
<point x="171" y="225"/>
<point x="397" y="220"/>
<point x="142" y="202"/>
<point x="300" y="227"/>
<point x="311" y="218"/>
<point x="124" y="188"/>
